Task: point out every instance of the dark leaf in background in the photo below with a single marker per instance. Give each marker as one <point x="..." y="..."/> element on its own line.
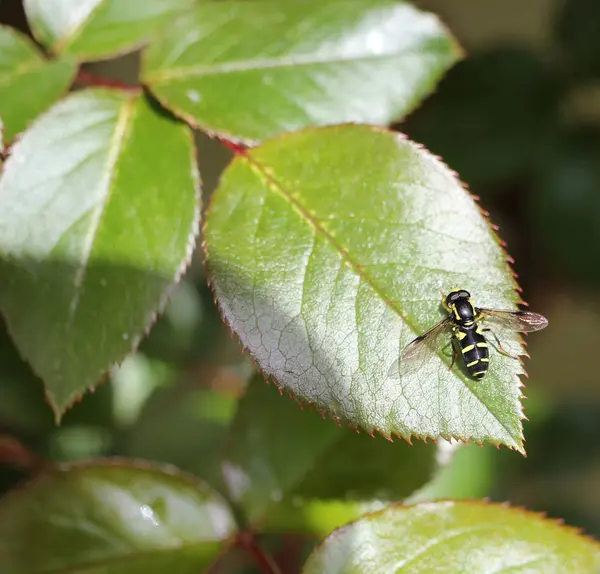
<point x="112" y="516"/>
<point x="251" y="70"/>
<point x="29" y="83"/>
<point x="490" y="117"/>
<point x="577" y="27"/>
<point x="98" y="29"/>
<point x="448" y="537"/>
<point x="565" y="208"/>
<point x="277" y="453"/>
<point x="92" y="254"/>
<point x="22" y="405"/>
<point x="185" y="427"/>
<point x="328" y="249"/>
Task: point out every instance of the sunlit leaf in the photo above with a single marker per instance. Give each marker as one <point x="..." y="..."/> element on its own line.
<point x="251" y="70"/>
<point x="112" y="516"/>
<point x="328" y="249"/>
<point x="261" y="474"/>
<point x="450" y="537"/>
<point x="96" y="29"/>
<point x="98" y="215"/>
<point x="29" y="83"/>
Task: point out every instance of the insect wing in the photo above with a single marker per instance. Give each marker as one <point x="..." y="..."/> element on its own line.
<point x="522" y="321"/>
<point x="419" y="349"/>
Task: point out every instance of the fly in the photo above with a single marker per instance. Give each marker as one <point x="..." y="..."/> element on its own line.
<point x="464" y="321"/>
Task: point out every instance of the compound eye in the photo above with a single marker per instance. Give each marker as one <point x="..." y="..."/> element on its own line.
<point x="451" y="299"/>
<point x="465" y="294"/>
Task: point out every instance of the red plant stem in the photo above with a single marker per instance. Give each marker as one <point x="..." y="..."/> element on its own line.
<point x="248" y="542"/>
<point x="88" y="79"/>
<point x="14" y="454"/>
<point x="237" y="149"/>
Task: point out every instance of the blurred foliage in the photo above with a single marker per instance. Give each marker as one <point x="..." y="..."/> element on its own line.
<point x="502" y="120"/>
<point x="491" y="116"/>
<point x="512" y="122"/>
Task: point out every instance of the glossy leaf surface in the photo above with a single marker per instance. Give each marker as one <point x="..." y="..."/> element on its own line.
<point x="328" y="462"/>
<point x="98" y="215"/>
<point x="250" y="70"/>
<point x="328" y="250"/>
<point x="29" y="83"/>
<point x="112" y="517"/>
<point x="96" y="29"/>
<point x="450" y="537"/>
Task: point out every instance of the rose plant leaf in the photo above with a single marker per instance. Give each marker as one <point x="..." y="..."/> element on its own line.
<point x="29" y="83"/>
<point x="327" y="250"/>
<point x="99" y="29"/>
<point x="324" y="465"/>
<point x="225" y="68"/>
<point x="99" y="209"/>
<point x="112" y="516"/>
<point x="449" y="537"/>
<point x="184" y="427"/>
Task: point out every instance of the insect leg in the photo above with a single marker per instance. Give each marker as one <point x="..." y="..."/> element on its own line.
<point x="454" y="355"/>
<point x="500" y="348"/>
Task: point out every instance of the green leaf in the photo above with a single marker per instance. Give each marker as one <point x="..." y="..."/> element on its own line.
<point x="324" y="462"/>
<point x="99" y="210"/>
<point x="327" y="251"/>
<point x="98" y="29"/>
<point x="315" y="517"/>
<point x="112" y="516"/>
<point x="185" y="427"/>
<point x="22" y="406"/>
<point x="468" y="474"/>
<point x="28" y="82"/>
<point x="450" y="537"/>
<point x="251" y="70"/>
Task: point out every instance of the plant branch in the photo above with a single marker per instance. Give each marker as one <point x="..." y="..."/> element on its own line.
<point x="85" y="78"/>
<point x="247" y="541"/>
<point x="14" y="454"/>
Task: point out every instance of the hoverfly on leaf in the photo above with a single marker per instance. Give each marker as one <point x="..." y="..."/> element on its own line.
<point x="464" y="321"/>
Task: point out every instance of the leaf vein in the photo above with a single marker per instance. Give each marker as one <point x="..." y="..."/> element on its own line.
<point x="123" y="122"/>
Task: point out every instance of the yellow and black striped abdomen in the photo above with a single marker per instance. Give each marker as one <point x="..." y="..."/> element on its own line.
<point x="474" y="349"/>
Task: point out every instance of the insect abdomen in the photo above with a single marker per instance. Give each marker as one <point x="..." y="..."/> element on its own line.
<point x="475" y="352"/>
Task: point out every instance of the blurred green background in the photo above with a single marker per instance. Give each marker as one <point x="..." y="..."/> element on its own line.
<point x="519" y="120"/>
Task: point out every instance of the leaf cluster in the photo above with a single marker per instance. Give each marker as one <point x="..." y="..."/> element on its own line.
<point x="326" y="244"/>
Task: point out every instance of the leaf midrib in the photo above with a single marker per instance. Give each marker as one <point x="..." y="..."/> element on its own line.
<point x="269" y="64"/>
<point x="22" y="69"/>
<point x="276" y="186"/>
<point x="71" y="35"/>
<point x="116" y="145"/>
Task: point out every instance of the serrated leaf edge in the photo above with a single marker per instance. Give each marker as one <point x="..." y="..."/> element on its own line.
<point x="470" y="502"/>
<point x="456" y="53"/>
<point x="244" y="151"/>
<point x="167" y="295"/>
